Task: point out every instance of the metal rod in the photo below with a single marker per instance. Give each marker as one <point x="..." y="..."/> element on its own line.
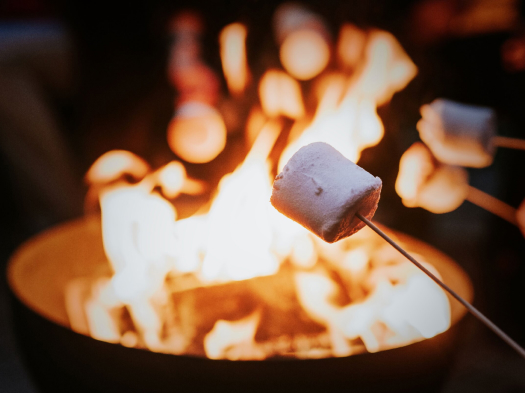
<point x="510" y="143"/>
<point x="474" y="311"/>
<point x="491" y="204"/>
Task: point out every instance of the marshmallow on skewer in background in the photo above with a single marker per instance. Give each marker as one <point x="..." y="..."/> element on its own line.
<point x="322" y="190"/>
<point x="423" y="182"/>
<point x="458" y="134"/>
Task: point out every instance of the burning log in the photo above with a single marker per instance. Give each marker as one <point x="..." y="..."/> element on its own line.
<point x="440" y="188"/>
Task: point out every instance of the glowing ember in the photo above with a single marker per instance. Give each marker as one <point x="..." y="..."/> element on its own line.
<point x="281" y="95"/>
<point x="173" y="181"/>
<point x="197" y="132"/>
<point x="233" y="55"/>
<point x="350" y="46"/>
<point x="233" y="340"/>
<point x="242" y="281"/>
<point x="304" y="54"/>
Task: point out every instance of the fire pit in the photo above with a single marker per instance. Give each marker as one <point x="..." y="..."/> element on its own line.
<point x="62" y="360"/>
<point x="239" y="297"/>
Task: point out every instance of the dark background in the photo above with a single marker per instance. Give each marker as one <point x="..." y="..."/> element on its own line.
<point x="120" y="97"/>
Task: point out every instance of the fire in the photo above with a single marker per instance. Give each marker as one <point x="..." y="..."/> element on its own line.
<point x="173" y="180"/>
<point x="304" y="54"/>
<point x="197" y="132"/>
<point x="350" y="45"/>
<point x="281" y="95"/>
<point x="113" y="164"/>
<point x="241" y="281"/>
<point x="233" y="56"/>
<point x="304" y="41"/>
<point x="239" y="232"/>
<point x="346" y="116"/>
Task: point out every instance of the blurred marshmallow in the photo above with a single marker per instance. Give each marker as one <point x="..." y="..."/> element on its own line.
<point x="423" y="182"/>
<point x="458" y="134"/>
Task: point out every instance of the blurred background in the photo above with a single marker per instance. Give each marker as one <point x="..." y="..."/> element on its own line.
<point x="80" y="78"/>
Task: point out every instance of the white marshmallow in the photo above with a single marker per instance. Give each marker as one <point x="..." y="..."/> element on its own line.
<point x="322" y="190"/>
<point x="458" y="134"/>
<point x="423" y="182"/>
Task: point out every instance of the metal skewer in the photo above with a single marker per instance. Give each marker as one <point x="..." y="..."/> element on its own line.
<point x="510" y="143"/>
<point x="491" y="204"/>
<point x="474" y="311"/>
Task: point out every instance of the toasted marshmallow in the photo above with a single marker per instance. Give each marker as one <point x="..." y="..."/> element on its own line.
<point x="423" y="182"/>
<point x="322" y="190"/>
<point x="458" y="134"/>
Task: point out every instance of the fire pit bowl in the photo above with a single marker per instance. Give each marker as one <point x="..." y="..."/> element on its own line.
<point x="61" y="360"/>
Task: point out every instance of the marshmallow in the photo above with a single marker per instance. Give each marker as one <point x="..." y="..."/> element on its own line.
<point x="423" y="182"/>
<point x="322" y="190"/>
<point x="458" y="134"/>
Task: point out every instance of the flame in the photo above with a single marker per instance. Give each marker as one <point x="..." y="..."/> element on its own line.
<point x="233" y="55"/>
<point x="234" y="340"/>
<point x="280" y="94"/>
<point x="197" y="133"/>
<point x="115" y="163"/>
<point x="239" y="233"/>
<point x="350" y="121"/>
<point x="101" y="323"/>
<point x="173" y="180"/>
<point x="304" y="54"/>
<point x="350" y="45"/>
<point x="162" y="265"/>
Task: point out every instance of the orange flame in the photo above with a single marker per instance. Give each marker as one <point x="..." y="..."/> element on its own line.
<point x="197" y="133"/>
<point x="233" y="55"/>
<point x="115" y="163"/>
<point x="304" y="54"/>
<point x="351" y="122"/>
<point x="280" y="95"/>
<point x="173" y="180"/>
<point x="350" y="46"/>
<point x="234" y="340"/>
<point x="239" y="231"/>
